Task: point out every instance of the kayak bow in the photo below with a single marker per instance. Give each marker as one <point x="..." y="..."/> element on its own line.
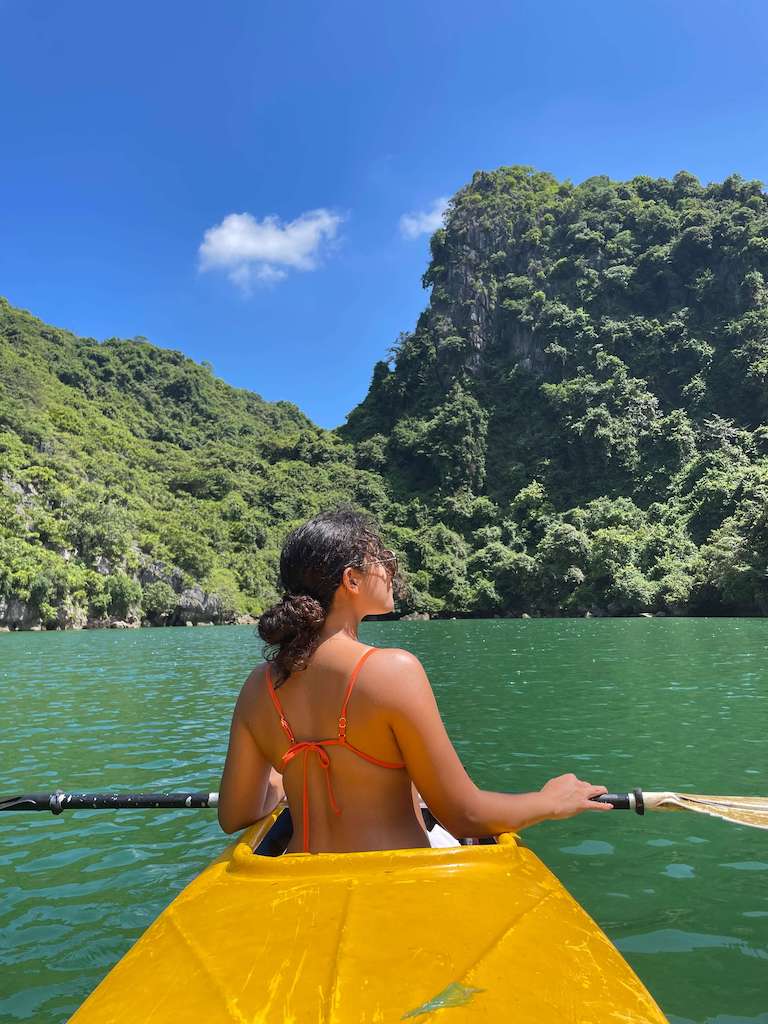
<point x="482" y="931"/>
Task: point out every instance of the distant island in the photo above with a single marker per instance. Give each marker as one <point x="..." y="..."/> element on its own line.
<point x="577" y="425"/>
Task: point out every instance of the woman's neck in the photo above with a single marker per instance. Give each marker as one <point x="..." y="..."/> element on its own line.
<point x="346" y="628"/>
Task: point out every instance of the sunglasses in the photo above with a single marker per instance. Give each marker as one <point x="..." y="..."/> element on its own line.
<point x="388" y="558"/>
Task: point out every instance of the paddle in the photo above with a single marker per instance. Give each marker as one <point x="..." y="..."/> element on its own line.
<point x="61" y="801"/>
<point x="743" y="810"/>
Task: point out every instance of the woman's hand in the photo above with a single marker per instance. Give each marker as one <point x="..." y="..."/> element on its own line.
<point x="569" y="796"/>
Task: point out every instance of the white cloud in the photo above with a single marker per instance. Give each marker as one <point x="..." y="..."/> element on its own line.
<point x="264" y="250"/>
<point x="424" y="222"/>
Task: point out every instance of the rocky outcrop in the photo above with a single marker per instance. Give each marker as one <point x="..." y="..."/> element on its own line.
<point x="18" y="614"/>
<point x="196" y="605"/>
<point x="159" y="572"/>
<point x="108" y="622"/>
<point x="246" y="620"/>
<point x="71" y="616"/>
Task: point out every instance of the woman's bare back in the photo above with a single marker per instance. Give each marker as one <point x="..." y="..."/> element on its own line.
<point x="376" y="803"/>
<point x="392" y="716"/>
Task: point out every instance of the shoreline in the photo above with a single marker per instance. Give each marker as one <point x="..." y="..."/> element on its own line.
<point x="120" y="624"/>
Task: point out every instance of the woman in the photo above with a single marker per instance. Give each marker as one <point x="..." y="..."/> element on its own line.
<point x="352" y="729"/>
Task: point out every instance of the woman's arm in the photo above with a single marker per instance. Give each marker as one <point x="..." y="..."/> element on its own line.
<point x="250" y="787"/>
<point x="439" y="775"/>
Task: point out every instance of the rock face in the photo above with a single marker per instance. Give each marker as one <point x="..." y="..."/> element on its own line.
<point x="71" y="616"/>
<point x="159" y="572"/>
<point x="196" y="605"/>
<point x="246" y="620"/>
<point x="17" y="614"/>
<point x="112" y="623"/>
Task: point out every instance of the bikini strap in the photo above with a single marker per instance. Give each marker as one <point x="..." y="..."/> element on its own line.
<point x="348" y="694"/>
<point x="279" y="708"/>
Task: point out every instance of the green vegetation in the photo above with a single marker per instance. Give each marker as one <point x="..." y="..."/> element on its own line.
<point x="578" y="422"/>
<point x="130" y="474"/>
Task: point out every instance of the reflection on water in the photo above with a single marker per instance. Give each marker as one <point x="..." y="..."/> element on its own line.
<point x="658" y="703"/>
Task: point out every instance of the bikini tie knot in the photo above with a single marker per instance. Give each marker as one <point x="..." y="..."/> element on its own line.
<point x="307" y="747"/>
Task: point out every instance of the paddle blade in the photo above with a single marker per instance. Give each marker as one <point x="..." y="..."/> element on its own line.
<point x="743" y="810"/>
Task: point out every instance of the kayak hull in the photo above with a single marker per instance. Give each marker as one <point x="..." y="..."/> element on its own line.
<point x="466" y="933"/>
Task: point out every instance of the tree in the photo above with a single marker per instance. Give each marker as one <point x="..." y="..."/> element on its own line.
<point x="158" y="601"/>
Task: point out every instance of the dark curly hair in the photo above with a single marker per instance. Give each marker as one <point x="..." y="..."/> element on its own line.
<point x="312" y="564"/>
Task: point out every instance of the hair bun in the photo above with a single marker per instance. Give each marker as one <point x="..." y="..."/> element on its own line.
<point x="292" y="616"/>
<point x="304" y="607"/>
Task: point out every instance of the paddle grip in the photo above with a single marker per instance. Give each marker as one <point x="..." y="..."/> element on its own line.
<point x="620" y="801"/>
<point x="623" y="801"/>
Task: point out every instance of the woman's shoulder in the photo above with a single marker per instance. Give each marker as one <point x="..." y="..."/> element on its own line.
<point x="397" y="682"/>
<point x="396" y="657"/>
<point x="256" y="686"/>
<point x="258" y="675"/>
<point x="397" y="668"/>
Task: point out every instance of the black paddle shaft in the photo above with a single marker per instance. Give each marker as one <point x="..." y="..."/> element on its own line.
<point x="60" y="801"/>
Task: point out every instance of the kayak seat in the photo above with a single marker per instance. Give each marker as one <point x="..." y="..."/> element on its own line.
<point x="275" y="842"/>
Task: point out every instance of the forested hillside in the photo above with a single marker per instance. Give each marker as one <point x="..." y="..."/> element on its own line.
<point x="138" y="486"/>
<point x="590" y="377"/>
<point x="578" y="424"/>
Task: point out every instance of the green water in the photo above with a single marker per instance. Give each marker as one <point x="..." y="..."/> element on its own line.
<point x="663" y="704"/>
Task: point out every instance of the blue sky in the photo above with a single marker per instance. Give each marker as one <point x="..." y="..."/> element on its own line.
<point x="230" y="179"/>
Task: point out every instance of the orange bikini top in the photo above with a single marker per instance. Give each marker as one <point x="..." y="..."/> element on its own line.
<point x="307" y="747"/>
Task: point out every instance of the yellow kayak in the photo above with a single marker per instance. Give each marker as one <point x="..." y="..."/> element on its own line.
<point x="448" y="935"/>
